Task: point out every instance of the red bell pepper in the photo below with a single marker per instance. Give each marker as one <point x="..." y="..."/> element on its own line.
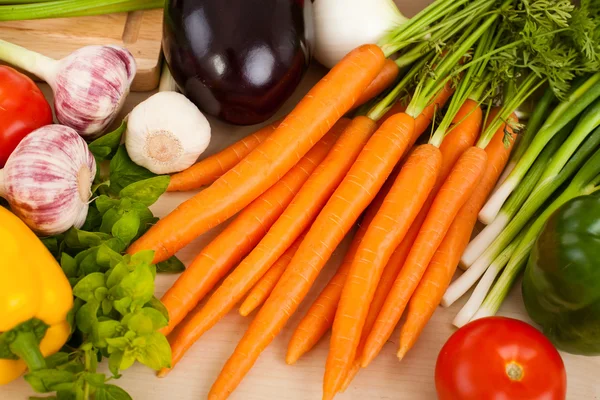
<point x="23" y="109"/>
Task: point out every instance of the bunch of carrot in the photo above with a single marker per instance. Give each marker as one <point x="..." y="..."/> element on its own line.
<point x="299" y="186"/>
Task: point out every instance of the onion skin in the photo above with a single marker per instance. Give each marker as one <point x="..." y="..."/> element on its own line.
<point x="47" y="179"/>
<point x="238" y="60"/>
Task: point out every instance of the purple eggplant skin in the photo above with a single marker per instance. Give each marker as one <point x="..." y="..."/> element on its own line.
<point x="238" y="60"/>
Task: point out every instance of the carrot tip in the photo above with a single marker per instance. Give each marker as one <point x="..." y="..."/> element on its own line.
<point x="163" y="372"/>
<point x="291" y="360"/>
<point x="328" y="396"/>
<point x="244" y="312"/>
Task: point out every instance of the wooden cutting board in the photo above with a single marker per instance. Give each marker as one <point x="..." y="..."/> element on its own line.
<point x="139" y="31"/>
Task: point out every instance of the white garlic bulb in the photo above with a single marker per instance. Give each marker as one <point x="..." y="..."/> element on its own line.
<point x="90" y="85"/>
<point x="47" y="180"/>
<point x="166" y="133"/>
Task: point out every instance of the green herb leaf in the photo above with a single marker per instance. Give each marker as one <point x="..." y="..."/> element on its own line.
<point x="117" y="274"/>
<point x="138" y="285"/>
<point x="127" y="227"/>
<point x="156" y="354"/>
<point x="104" y="203"/>
<point x="93" y="219"/>
<point x="124" y="172"/>
<point x="77" y="239"/>
<point x="68" y="265"/>
<point x="106" y="146"/>
<point x="112" y="392"/>
<point x="116" y="244"/>
<point x="105" y="330"/>
<point x="144" y="257"/>
<point x="47" y="380"/>
<point x="87" y="317"/>
<point x="109" y="219"/>
<point x="158" y="306"/>
<point x="89" y="264"/>
<point x="147" y="191"/>
<point x="107" y="257"/>
<point x="114" y="362"/>
<point x="86" y="287"/>
<point x="95" y="379"/>
<point x="57" y="359"/>
<point x="172" y="266"/>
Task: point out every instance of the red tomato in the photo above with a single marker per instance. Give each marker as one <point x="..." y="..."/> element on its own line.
<point x="499" y="359"/>
<point x="23" y="109"/>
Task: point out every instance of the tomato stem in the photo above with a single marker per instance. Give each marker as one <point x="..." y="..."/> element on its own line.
<point x="514" y="371"/>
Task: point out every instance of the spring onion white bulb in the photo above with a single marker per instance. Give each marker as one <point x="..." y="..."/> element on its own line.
<point x="47" y="180"/>
<point x="166" y="133"/>
<point x="343" y="25"/>
<point x="90" y="85"/>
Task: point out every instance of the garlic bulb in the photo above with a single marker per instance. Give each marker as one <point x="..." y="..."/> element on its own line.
<point x="343" y="25"/>
<point x="47" y="180"/>
<point x="166" y="133"/>
<point x="90" y="85"/>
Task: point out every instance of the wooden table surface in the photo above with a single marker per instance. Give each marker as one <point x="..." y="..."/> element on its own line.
<point x="271" y="378"/>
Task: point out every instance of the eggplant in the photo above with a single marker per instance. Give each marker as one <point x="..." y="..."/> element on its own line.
<point x="238" y="60"/>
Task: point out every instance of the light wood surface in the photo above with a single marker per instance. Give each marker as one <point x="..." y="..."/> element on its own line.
<point x="140" y="32"/>
<point x="271" y="378"/>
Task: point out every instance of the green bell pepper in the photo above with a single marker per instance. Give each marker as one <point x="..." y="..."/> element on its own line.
<point x="561" y="286"/>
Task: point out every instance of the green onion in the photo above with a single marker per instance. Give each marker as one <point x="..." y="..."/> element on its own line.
<point x="488" y="234"/>
<point x="566" y="111"/>
<point x="585" y="182"/>
<point x="485" y="283"/>
<point x="536" y="199"/>
<point x="73" y="8"/>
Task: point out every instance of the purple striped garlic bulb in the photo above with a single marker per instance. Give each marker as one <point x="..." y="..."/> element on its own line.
<point x="90" y="85"/>
<point x="47" y="180"/>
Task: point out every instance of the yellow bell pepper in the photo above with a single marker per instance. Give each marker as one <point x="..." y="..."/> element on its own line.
<point x="35" y="297"/>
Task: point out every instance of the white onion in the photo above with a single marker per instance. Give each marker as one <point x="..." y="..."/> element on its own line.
<point x="343" y="25"/>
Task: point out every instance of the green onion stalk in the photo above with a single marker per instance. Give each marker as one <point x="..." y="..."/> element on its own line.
<point x="534" y="202"/>
<point x="486" y="236"/>
<point x="587" y="181"/>
<point x="12" y="10"/>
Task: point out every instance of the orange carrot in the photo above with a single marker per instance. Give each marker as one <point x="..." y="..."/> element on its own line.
<point x="227" y="249"/>
<point x="439" y="273"/>
<point x="385" y="78"/>
<point x="458" y="140"/>
<point x="357" y="190"/>
<point x="319" y="317"/>
<point x="211" y="168"/>
<point x="263" y="288"/>
<point x="453" y="194"/>
<point x="383" y="235"/>
<point x="296" y="218"/>
<point x="316" y="113"/>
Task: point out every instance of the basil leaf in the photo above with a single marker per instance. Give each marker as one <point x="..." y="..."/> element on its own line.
<point x="114" y="362"/>
<point x="127" y="360"/>
<point x="123" y="305"/>
<point x="139" y="285"/>
<point x="156" y="354"/>
<point x="77" y="239"/>
<point x="115" y="244"/>
<point x="106" y="146"/>
<point x="52" y="244"/>
<point x="116" y="275"/>
<point x="127" y="227"/>
<point x="144" y="257"/>
<point x="112" y="392"/>
<point x="46" y="380"/>
<point x="124" y="172"/>
<point x="147" y="191"/>
<point x="105" y="330"/>
<point x="104" y="203"/>
<point x="93" y="219"/>
<point x="87" y="317"/>
<point x="85" y="288"/>
<point x="56" y="359"/>
<point x="89" y="264"/>
<point x="95" y="379"/>
<point x="109" y="219"/>
<point x="158" y="306"/>
<point x="107" y="257"/>
<point x="171" y="266"/>
<point x="68" y="265"/>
